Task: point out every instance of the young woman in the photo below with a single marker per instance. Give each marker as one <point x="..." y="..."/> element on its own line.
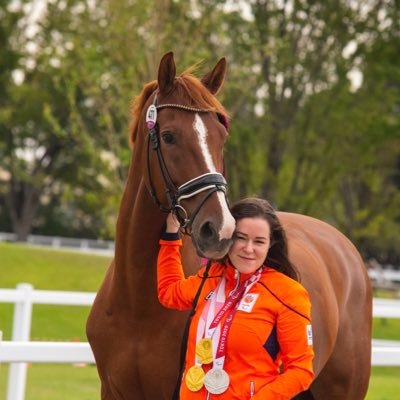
<point x="250" y="336"/>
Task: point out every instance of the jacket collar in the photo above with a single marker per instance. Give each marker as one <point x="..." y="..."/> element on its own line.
<point x="233" y="276"/>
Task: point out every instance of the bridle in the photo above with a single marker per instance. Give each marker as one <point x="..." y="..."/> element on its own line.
<point x="208" y="183"/>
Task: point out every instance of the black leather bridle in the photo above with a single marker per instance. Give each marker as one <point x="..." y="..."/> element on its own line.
<point x="209" y="182"/>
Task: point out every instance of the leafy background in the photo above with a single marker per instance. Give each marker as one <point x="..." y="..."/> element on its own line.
<point x="312" y="92"/>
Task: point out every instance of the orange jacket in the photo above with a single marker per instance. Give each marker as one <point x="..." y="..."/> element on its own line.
<point x="253" y="360"/>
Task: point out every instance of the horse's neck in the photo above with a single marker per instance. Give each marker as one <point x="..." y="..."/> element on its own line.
<point x="139" y="226"/>
<point x="136" y="246"/>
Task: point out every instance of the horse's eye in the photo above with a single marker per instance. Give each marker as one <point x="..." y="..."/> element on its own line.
<point x="168" y="138"/>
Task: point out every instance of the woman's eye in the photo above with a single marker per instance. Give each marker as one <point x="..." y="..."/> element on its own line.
<point x="168" y="138"/>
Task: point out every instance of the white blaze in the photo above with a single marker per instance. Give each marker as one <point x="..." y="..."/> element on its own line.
<point x="228" y="222"/>
<point x="201" y="130"/>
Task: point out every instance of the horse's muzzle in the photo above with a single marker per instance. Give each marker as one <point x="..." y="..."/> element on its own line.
<point x="207" y="242"/>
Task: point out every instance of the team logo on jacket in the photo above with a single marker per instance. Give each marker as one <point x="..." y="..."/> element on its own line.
<point x="248" y="301"/>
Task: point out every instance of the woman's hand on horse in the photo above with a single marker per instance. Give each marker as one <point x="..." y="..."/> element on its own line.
<point x="172" y="223"/>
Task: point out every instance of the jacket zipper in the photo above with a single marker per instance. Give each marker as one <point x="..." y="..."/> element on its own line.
<point x="252" y="388"/>
<point x="237" y="277"/>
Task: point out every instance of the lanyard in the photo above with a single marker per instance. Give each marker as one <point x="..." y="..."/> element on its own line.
<point x="210" y="309"/>
<point x="230" y="307"/>
<point x="209" y="325"/>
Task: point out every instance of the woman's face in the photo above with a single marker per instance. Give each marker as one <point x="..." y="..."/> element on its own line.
<point x="251" y="244"/>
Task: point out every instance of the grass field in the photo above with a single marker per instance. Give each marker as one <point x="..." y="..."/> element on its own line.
<point x="56" y="270"/>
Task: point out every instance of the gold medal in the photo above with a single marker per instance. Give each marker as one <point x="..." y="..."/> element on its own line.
<point x="204" y="351"/>
<point x="194" y="378"/>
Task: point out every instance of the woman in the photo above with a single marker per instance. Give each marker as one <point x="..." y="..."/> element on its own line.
<point x="250" y="336"/>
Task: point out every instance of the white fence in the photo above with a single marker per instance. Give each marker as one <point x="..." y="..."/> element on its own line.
<point x="384" y="275"/>
<point x="104" y="247"/>
<point x="21" y="350"/>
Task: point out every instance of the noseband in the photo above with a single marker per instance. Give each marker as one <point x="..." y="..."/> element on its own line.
<point x="209" y="182"/>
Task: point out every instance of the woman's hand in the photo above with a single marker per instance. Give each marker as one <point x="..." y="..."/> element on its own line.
<point x="173" y="224"/>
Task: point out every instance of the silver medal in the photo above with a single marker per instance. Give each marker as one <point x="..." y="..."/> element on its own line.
<point x="216" y="381"/>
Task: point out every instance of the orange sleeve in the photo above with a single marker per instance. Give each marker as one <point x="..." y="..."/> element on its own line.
<point x="296" y="351"/>
<point x="174" y="290"/>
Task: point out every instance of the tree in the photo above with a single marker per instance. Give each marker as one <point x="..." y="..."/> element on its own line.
<point x="9" y="59"/>
<point x="301" y="135"/>
<point x="47" y="134"/>
<point x="72" y="109"/>
<point x="306" y="139"/>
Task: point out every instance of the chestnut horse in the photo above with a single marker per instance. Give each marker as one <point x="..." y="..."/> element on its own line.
<point x="177" y="163"/>
<point x="178" y="135"/>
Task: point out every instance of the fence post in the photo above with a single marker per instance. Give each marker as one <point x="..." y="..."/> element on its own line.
<point x="21" y="332"/>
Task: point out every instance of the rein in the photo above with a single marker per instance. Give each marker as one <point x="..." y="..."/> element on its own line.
<point x="175" y="395"/>
<point x="209" y="182"/>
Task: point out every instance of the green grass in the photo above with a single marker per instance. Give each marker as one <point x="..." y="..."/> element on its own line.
<point x="50" y="270"/>
<point x="386" y="328"/>
<point x="58" y="270"/>
<point x="384" y="384"/>
<point x="57" y="382"/>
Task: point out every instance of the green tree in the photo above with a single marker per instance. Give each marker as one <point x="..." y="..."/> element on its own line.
<point x="47" y="134"/>
<point x="301" y="134"/>
<point x="9" y="58"/>
<point x="65" y="136"/>
<point x="305" y="138"/>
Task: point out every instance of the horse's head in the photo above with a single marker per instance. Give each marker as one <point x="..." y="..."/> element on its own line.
<point x="186" y="128"/>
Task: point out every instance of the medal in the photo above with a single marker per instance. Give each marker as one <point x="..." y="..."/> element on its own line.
<point x="194" y="378"/>
<point x="216" y="381"/>
<point x="204" y="351"/>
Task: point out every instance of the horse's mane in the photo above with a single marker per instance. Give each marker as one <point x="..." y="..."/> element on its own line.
<point x="187" y="87"/>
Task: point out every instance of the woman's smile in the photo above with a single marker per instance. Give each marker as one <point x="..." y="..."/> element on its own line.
<point x="251" y="244"/>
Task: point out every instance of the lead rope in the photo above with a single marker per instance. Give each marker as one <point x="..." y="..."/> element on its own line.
<point x="182" y="357"/>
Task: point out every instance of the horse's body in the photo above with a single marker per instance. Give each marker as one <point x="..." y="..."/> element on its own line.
<point x="334" y="274"/>
<point x="135" y="340"/>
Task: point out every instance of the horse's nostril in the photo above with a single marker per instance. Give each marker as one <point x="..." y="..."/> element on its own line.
<point x="207" y="231"/>
<point x="207" y="241"/>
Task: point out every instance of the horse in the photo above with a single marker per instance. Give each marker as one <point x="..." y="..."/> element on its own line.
<point x="178" y="134"/>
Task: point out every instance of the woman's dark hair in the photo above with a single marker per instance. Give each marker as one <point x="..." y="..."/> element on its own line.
<point x="277" y="257"/>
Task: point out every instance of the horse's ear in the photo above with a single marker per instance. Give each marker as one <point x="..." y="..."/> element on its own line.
<point x="166" y="73"/>
<point x="214" y="79"/>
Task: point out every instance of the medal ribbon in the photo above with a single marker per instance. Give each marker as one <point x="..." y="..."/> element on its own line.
<point x="235" y="297"/>
<point x="211" y="307"/>
<point x="230" y="307"/>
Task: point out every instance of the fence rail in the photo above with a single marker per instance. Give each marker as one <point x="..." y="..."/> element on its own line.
<point x="105" y="247"/>
<point x="68" y="352"/>
<point x="45" y="352"/>
<point x="20" y="350"/>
